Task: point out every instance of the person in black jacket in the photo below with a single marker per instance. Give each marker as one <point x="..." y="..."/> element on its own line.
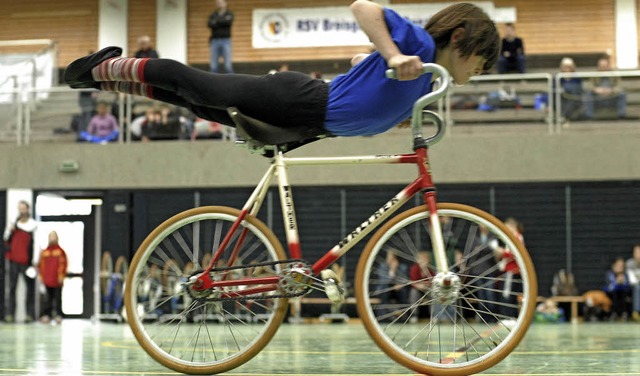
<point x="512" y="52"/>
<point x="220" y="22"/>
<point x="145" y="49"/>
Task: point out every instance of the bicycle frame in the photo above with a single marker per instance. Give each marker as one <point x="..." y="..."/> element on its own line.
<point x="422" y="184"/>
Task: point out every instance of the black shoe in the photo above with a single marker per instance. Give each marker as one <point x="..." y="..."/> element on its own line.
<point x="78" y="74"/>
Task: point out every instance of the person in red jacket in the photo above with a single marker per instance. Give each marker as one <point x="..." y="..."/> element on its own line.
<point x="53" y="268"/>
<point x="18" y="236"/>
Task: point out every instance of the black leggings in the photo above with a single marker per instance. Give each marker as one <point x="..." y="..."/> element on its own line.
<point x="286" y="99"/>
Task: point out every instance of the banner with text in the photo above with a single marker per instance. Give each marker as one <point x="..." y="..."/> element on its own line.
<point x="328" y="26"/>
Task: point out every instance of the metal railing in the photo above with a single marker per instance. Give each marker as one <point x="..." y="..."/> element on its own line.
<point x="531" y="84"/>
<point x="506" y="82"/>
<point x="28" y="96"/>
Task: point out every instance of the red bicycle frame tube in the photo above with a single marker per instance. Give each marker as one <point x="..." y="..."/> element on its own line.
<point x="422" y="184"/>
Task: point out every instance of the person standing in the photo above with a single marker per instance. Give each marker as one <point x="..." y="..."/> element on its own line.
<point x="53" y="269"/>
<point x="19" y="238"/>
<point x="220" y="22"/>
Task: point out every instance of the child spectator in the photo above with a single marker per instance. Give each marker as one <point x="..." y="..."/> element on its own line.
<point x="421" y="275"/>
<point x="618" y="289"/>
<point x="512" y="283"/>
<point x="53" y="268"/>
<point x="103" y="126"/>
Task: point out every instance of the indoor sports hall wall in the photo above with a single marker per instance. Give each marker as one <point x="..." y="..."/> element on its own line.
<point x="578" y="226"/>
<point x="571" y="26"/>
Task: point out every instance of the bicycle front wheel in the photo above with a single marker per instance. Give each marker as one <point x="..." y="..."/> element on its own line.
<point x="203" y="333"/>
<point x="462" y="326"/>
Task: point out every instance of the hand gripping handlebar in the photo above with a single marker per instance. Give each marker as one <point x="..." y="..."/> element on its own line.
<point x="419" y="113"/>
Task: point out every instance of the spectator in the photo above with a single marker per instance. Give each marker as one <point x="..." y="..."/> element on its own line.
<point x="145" y="49"/>
<point x="103" y="126"/>
<point x="605" y="92"/>
<point x="548" y="311"/>
<point x="421" y="275"/>
<point x="633" y="273"/>
<point x="87" y="100"/>
<point x="480" y="263"/>
<point x="53" y="269"/>
<point x="572" y="92"/>
<point x="511" y="281"/>
<point x="511" y="58"/>
<point x="618" y="289"/>
<point x="162" y="124"/>
<point x="18" y="237"/>
<point x="220" y="22"/>
<point x="206" y="129"/>
<point x="394" y="276"/>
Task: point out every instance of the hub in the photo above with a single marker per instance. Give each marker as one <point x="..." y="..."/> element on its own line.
<point x="446" y="288"/>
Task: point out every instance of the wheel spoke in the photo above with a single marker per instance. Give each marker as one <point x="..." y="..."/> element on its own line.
<point x="461" y="321"/>
<point x="187" y="330"/>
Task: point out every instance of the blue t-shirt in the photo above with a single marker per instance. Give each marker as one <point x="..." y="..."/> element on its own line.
<point x="363" y="101"/>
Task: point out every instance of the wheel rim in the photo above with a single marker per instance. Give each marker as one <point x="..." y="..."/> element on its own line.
<point x="185" y="333"/>
<point x="444" y="341"/>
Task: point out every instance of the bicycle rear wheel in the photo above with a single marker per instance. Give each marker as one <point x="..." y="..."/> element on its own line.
<point x="196" y="333"/>
<point x="460" y="327"/>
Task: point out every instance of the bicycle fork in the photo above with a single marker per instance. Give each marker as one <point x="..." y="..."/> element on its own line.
<point x="446" y="285"/>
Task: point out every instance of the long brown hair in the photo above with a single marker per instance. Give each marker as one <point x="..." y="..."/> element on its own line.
<point x="480" y="33"/>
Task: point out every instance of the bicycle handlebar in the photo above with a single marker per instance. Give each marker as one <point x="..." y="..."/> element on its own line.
<point x="419" y="113"/>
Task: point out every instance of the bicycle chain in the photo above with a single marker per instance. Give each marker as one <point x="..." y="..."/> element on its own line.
<point x="238" y="298"/>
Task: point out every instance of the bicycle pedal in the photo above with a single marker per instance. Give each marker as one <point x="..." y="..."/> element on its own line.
<point x="332" y="286"/>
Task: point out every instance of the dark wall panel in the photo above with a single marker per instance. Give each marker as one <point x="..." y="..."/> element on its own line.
<point x="151" y="208"/>
<point x="541" y="210"/>
<point x="605" y="225"/>
<point x="116" y="235"/>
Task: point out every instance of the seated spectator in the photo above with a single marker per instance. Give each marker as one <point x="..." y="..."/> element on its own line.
<point x="548" y="311"/>
<point x="103" y="126"/>
<point x="421" y="273"/>
<point x="633" y="273"/>
<point x="511" y="58"/>
<point x="571" y="91"/>
<point x="618" y="289"/>
<point x="605" y="93"/>
<point x="392" y="283"/>
<point x="597" y="305"/>
<point x="145" y="49"/>
<point x="205" y="129"/>
<point x="162" y="124"/>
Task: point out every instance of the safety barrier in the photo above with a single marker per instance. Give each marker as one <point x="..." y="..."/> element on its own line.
<point x="508" y="100"/>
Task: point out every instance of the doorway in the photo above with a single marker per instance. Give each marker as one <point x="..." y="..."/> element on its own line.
<point x="76" y="220"/>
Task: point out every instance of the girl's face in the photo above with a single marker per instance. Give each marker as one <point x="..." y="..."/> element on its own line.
<point x="463" y="68"/>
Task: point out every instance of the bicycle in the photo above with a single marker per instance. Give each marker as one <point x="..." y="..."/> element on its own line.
<point x="229" y="307"/>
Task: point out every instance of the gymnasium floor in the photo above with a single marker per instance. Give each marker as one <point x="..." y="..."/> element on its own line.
<point x="79" y="347"/>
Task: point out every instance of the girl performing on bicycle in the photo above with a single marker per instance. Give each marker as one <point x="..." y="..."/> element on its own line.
<point x="461" y="38"/>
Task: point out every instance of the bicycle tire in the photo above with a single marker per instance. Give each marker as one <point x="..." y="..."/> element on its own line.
<point x="391" y="337"/>
<point x="263" y="330"/>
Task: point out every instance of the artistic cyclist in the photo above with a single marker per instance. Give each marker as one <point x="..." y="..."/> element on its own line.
<point x="461" y="38"/>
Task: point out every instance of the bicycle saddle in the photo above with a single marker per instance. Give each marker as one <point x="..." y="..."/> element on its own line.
<point x="260" y="136"/>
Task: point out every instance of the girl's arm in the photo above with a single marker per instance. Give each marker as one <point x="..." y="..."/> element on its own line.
<point x="370" y="17"/>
